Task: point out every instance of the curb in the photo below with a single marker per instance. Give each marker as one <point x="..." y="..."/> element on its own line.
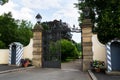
<point x="116" y="73"/>
<point x="93" y="77"/>
<point x="19" y="69"/>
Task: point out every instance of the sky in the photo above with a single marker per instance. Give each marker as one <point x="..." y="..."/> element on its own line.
<point x="48" y="9"/>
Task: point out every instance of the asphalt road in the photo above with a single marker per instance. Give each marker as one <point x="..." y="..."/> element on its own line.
<point x="69" y="71"/>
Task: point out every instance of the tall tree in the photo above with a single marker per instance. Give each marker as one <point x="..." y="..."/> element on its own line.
<point x="8" y="28"/>
<point x="24" y="32"/>
<point x="65" y="30"/>
<point x="106" y="17"/>
<point x="12" y="30"/>
<point x="2" y="2"/>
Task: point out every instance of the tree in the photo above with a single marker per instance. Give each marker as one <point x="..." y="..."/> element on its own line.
<point x="78" y="46"/>
<point x="2" y="45"/>
<point x="24" y="32"/>
<point x="106" y="17"/>
<point x="62" y="26"/>
<point x="12" y="30"/>
<point x="2" y="2"/>
<point x="8" y="28"/>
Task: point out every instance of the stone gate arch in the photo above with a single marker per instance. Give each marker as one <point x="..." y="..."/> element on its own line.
<point x="86" y="44"/>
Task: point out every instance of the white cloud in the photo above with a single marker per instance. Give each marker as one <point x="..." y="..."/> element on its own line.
<point x="27" y="9"/>
<point x="41" y="4"/>
<point x="68" y="13"/>
<point x="20" y="13"/>
<point x="23" y="13"/>
<point x="7" y="7"/>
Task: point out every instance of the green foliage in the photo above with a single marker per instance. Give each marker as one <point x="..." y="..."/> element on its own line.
<point x="78" y="46"/>
<point x="7" y="29"/>
<point x="106" y="15"/>
<point x="58" y="25"/>
<point x="12" y="30"/>
<point x="79" y="49"/>
<point x="68" y="50"/>
<point x="98" y="64"/>
<point x="2" y="2"/>
<point x="54" y="46"/>
<point x="2" y="44"/>
<point x="24" y="32"/>
<point x="45" y="26"/>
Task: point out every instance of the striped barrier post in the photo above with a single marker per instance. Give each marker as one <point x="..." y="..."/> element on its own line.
<point x="10" y="55"/>
<point x="109" y="65"/>
<point x="19" y="54"/>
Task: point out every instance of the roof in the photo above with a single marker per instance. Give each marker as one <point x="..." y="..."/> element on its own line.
<point x="16" y="43"/>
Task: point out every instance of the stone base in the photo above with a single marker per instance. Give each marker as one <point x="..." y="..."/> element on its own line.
<point x="36" y="63"/>
<point x="86" y="64"/>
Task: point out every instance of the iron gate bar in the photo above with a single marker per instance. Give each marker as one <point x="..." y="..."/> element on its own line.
<point x="51" y="48"/>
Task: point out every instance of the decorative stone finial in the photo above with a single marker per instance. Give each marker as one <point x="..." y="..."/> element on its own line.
<point x="86" y="12"/>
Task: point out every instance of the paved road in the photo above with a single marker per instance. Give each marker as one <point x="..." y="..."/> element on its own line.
<point x="69" y="71"/>
<point x="104" y="76"/>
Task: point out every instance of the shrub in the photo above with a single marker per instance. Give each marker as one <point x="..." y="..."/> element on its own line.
<point x="68" y="50"/>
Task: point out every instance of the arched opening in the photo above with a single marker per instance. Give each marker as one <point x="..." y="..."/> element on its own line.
<point x="115" y="55"/>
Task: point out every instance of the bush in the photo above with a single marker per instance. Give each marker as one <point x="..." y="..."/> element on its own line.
<point x="68" y="50"/>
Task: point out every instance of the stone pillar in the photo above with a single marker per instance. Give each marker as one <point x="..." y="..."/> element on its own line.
<point x="87" y="44"/>
<point x="37" y="45"/>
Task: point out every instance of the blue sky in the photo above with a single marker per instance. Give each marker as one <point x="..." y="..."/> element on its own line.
<point x="49" y="10"/>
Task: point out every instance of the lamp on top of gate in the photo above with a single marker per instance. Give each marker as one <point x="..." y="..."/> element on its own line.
<point x="38" y="18"/>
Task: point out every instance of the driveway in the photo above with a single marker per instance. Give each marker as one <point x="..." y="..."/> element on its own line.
<point x="69" y="71"/>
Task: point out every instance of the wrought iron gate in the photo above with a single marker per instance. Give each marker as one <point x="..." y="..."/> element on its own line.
<point x="51" y="57"/>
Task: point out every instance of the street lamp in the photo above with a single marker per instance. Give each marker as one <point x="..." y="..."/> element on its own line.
<point x="38" y="18"/>
<point x="38" y="26"/>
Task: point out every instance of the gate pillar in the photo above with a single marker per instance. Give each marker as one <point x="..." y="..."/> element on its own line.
<point x="37" y="45"/>
<point x="87" y="44"/>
